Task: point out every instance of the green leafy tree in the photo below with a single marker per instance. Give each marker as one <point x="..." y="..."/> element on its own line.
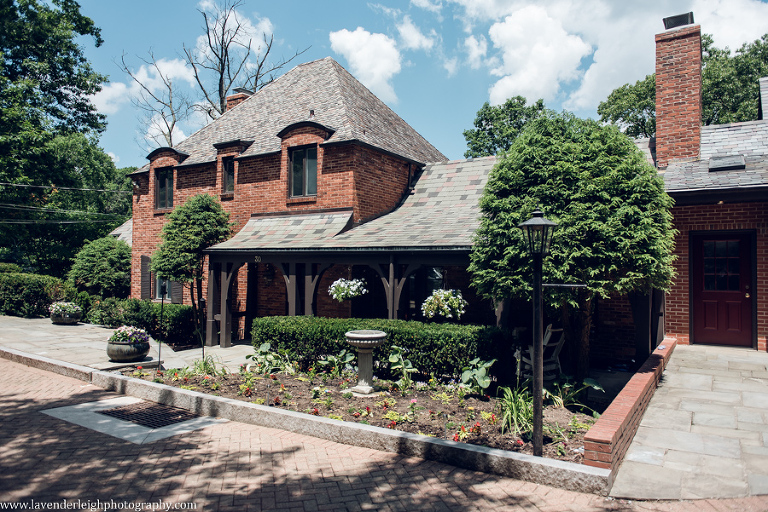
<point x="614" y="229"/>
<point x="632" y="107"/>
<point x="497" y="127"/>
<point x="730" y="90"/>
<point x="103" y="267"/>
<point x="192" y="227"/>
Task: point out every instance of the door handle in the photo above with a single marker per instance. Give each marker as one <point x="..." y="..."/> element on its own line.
<point x="746" y="295"/>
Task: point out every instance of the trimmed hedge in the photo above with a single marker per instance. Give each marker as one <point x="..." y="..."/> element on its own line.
<point x="10" y="268"/>
<point x="177" y="325"/>
<point x="28" y="295"/>
<point x="439" y="349"/>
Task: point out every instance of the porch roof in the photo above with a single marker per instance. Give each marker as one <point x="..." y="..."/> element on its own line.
<point x="442" y="213"/>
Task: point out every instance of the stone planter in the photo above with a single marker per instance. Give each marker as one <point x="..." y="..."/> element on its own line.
<point x="127" y="352"/>
<point x="66" y="318"/>
<point x="365" y="341"/>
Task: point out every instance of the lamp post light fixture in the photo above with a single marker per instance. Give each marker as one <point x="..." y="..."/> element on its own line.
<point x="538" y="231"/>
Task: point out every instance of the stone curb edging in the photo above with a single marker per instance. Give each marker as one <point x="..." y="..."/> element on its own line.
<point x="608" y="440"/>
<point x="564" y="475"/>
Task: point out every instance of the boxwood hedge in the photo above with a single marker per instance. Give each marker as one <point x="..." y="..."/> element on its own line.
<point x="28" y="295"/>
<point x="434" y="349"/>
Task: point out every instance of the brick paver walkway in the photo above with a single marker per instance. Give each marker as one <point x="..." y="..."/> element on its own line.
<point x="234" y="466"/>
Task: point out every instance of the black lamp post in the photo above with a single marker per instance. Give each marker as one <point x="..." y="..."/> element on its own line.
<point x="538" y="231"/>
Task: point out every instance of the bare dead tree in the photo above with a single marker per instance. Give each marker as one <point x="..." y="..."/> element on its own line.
<point x="164" y="108"/>
<point x="224" y="58"/>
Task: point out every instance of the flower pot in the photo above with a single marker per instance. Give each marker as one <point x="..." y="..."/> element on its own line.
<point x="127" y="352"/>
<point x="66" y="318"/>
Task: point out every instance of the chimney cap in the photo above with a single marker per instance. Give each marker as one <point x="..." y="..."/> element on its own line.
<point x="678" y="20"/>
<point x="243" y="90"/>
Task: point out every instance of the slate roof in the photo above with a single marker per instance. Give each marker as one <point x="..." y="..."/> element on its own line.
<point x="441" y="213"/>
<point x="288" y="231"/>
<point x="339" y="102"/>
<point x="124" y="232"/>
<point x="748" y="139"/>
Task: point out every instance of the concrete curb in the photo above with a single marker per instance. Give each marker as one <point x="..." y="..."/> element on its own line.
<point x="564" y="475"/>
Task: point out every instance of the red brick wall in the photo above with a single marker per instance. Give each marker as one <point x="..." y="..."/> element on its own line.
<point x="716" y="217"/>
<point x="349" y="176"/>
<point x="678" y="94"/>
<point x="614" y="338"/>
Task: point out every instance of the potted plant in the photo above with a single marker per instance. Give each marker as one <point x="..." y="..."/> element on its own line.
<point x="65" y="313"/>
<point x="344" y="289"/>
<point x="447" y="304"/>
<point x="128" y="344"/>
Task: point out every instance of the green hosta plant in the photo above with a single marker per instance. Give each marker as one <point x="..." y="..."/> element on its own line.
<point x="564" y="393"/>
<point x="265" y="361"/>
<point x="403" y="366"/>
<point x="476" y="375"/>
<point x="343" y="289"/>
<point x="337" y="364"/>
<point x="447" y="304"/>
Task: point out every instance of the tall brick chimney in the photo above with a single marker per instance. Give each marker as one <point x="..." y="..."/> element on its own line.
<point x="678" y="95"/>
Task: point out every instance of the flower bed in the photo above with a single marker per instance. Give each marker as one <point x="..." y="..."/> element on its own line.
<point x="443" y="411"/>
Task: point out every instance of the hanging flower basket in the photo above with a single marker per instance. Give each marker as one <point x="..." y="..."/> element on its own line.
<point x="65" y="313"/>
<point x="128" y="344"/>
<point x="343" y="289"/>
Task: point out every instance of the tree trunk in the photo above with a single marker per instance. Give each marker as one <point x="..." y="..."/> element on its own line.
<point x="584" y="328"/>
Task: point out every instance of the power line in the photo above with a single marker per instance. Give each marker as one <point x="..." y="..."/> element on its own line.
<point x="43" y="221"/>
<point x="7" y="206"/>
<point x="65" y="188"/>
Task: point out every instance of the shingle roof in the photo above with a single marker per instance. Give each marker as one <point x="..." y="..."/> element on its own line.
<point x="748" y="139"/>
<point x="124" y="232"/>
<point x="288" y="231"/>
<point x="442" y="212"/>
<point x="339" y="102"/>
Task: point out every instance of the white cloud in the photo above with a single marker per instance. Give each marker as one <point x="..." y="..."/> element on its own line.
<point x="115" y="159"/>
<point x="111" y="97"/>
<point x="434" y="7"/>
<point x="732" y="22"/>
<point x="373" y="59"/>
<point x="412" y="37"/>
<point x="477" y="49"/>
<point x="538" y="55"/>
<point x="451" y="65"/>
<point x="154" y="134"/>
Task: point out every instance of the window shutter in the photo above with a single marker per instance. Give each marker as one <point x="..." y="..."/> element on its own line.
<point x="177" y="292"/>
<point x="146" y="278"/>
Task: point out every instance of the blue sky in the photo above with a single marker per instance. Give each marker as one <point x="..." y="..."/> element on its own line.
<point x="434" y="62"/>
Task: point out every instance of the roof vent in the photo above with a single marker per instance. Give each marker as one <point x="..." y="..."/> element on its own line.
<point x="727" y="163"/>
<point x="678" y="21"/>
<point x="311" y="114"/>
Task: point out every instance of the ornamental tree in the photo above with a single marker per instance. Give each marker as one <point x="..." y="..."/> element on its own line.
<point x="192" y="227"/>
<point x="614" y="229"/>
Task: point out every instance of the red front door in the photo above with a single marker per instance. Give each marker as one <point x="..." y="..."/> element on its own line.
<point x="722" y="289"/>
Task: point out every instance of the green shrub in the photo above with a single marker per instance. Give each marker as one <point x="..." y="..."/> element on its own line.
<point x="9" y="268"/>
<point x="439" y="349"/>
<point x="103" y="267"/>
<point x="177" y="325"/>
<point x="28" y="295"/>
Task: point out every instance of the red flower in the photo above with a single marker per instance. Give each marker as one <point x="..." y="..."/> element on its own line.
<point x="315" y="411"/>
<point x="456" y="436"/>
<point x="519" y="442"/>
<point x="139" y="367"/>
<point x="392" y="425"/>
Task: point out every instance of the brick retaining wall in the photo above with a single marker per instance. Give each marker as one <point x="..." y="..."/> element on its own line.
<point x="607" y="441"/>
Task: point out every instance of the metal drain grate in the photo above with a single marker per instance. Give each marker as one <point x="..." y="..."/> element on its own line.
<point x="148" y="414"/>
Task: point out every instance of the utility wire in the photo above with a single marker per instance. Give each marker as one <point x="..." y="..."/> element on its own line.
<point x="7" y="206"/>
<point x="65" y="188"/>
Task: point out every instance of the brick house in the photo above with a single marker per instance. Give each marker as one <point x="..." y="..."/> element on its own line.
<point x="324" y="181"/>
<point x="718" y="177"/>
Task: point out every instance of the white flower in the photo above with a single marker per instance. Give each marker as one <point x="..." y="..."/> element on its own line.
<point x="444" y="303"/>
<point x="343" y="289"/>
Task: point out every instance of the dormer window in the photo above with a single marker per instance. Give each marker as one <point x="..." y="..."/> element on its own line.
<point x="304" y="171"/>
<point x="228" y="175"/>
<point x="164" y="189"/>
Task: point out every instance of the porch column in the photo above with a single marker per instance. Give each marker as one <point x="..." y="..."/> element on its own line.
<point x="228" y="270"/>
<point x="393" y="281"/>
<point x="291" y="285"/>
<point x="211" y="333"/>
<point x="312" y="273"/>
